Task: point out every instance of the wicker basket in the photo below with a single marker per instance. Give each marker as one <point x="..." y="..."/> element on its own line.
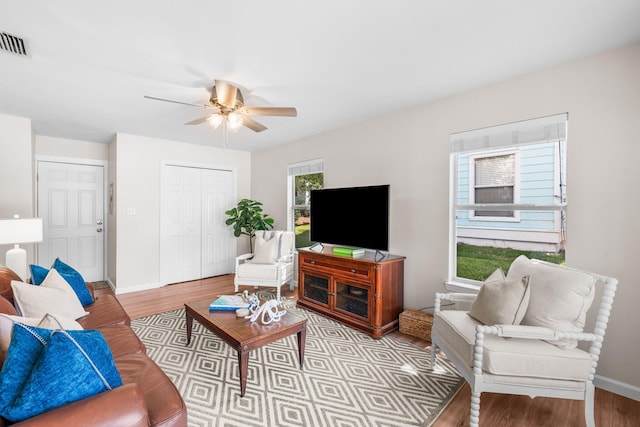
<point x="416" y="323"/>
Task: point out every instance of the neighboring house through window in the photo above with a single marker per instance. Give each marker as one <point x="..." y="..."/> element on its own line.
<point x="508" y="197"/>
<point x="303" y="177"/>
<point x="494" y="179"/>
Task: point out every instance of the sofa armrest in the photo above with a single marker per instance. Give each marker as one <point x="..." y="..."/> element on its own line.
<point x="92" y="289"/>
<point x="122" y="406"/>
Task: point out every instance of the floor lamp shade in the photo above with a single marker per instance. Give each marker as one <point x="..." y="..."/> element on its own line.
<point x="16" y="231"/>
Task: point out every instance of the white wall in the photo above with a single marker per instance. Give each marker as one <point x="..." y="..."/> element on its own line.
<point x="16" y="174"/>
<point x="137" y="182"/>
<point x="409" y="150"/>
<point x="71" y="148"/>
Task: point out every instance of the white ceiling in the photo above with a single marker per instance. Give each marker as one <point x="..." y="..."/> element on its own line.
<point x="337" y="61"/>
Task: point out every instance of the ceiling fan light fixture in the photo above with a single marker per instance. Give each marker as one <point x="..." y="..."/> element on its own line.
<point x="235" y="120"/>
<point x="215" y="120"/>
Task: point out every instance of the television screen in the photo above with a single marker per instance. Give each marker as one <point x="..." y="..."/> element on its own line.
<point x="356" y="216"/>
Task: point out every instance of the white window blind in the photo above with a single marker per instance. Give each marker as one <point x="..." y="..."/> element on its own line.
<point x="304" y="168"/>
<point x="495" y="171"/>
<point x="549" y="128"/>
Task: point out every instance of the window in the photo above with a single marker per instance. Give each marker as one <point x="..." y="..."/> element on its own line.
<point x="508" y="197"/>
<point x="303" y="177"/>
<point x="493" y="180"/>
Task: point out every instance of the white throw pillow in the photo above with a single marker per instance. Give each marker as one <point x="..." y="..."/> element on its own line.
<point x="265" y="251"/>
<point x="501" y="301"/>
<point x="496" y="275"/>
<point x="54" y="296"/>
<point x="560" y="297"/>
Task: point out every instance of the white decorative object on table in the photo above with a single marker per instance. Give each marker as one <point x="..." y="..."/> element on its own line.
<point x="269" y="312"/>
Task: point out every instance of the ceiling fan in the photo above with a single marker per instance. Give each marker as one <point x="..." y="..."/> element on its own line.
<point x="227" y="105"/>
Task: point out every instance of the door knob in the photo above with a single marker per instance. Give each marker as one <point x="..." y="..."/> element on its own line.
<point x="99" y="229"/>
<point x="99" y="222"/>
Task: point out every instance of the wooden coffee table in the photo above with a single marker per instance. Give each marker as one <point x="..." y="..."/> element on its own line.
<point x="243" y="335"/>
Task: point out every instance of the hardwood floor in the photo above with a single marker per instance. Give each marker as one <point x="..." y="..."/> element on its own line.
<point x="144" y="303"/>
<point x="496" y="410"/>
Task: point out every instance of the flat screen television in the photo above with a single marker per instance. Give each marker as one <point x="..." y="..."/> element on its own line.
<point x="354" y="216"/>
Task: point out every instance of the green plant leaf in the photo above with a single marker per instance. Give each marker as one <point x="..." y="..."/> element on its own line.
<point x="247" y="217"/>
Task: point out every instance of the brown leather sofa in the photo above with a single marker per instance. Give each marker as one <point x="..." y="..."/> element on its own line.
<point x="147" y="396"/>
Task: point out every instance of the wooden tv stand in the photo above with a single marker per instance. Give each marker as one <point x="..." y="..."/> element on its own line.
<point x="364" y="292"/>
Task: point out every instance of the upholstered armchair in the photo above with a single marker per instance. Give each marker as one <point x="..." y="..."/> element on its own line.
<point x="524" y="333"/>
<point x="270" y="264"/>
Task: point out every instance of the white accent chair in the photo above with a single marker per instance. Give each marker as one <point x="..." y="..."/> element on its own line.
<point x="539" y="356"/>
<point x="271" y="263"/>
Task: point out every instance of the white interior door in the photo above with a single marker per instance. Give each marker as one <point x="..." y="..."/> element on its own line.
<point x="218" y="242"/>
<point x="71" y="205"/>
<point x="194" y="241"/>
<point x="180" y="220"/>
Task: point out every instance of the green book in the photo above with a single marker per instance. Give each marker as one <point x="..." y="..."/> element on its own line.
<point x="347" y="250"/>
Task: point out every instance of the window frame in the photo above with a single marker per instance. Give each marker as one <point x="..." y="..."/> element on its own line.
<point x="501" y="138"/>
<point x="308" y="167"/>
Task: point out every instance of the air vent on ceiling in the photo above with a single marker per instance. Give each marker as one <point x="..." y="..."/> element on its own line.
<point x="13" y="44"/>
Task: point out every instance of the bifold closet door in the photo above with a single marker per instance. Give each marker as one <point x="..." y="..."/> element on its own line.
<point x="218" y="242"/>
<point x="194" y="240"/>
<point x="180" y="224"/>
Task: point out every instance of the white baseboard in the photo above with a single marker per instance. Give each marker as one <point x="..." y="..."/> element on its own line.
<point x="136" y="288"/>
<point x="617" y="387"/>
<point x="111" y="285"/>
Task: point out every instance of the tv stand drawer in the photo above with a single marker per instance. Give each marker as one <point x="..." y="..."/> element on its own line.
<point x="346" y="268"/>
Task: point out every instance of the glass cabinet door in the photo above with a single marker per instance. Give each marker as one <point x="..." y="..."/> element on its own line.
<point x="353" y="299"/>
<point x="316" y="288"/>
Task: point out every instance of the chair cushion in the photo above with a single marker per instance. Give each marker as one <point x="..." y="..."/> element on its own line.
<point x="455" y="330"/>
<point x="106" y="310"/>
<point x="252" y="270"/>
<point x="559" y="297"/>
<point x="122" y="340"/>
<point x="501" y="301"/>
<point x="164" y="403"/>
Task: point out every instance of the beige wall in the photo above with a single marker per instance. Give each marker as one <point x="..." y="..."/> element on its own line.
<point x="137" y="167"/>
<point x="61" y="147"/>
<point x="16" y="174"/>
<point x="409" y="150"/>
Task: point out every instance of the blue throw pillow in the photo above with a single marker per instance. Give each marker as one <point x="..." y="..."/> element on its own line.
<point x="75" y="280"/>
<point x="38" y="274"/>
<point x="27" y="344"/>
<point x="73" y="365"/>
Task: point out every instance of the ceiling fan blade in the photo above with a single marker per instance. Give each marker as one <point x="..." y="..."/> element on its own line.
<point x="271" y="111"/>
<point x="198" y="121"/>
<point x="226" y="94"/>
<point x="252" y="124"/>
<point x="179" y="102"/>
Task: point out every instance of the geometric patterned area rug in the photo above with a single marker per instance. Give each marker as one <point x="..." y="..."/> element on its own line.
<point x="348" y="379"/>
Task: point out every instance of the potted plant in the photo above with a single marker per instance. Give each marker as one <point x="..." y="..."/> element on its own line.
<point x="246" y="218"/>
